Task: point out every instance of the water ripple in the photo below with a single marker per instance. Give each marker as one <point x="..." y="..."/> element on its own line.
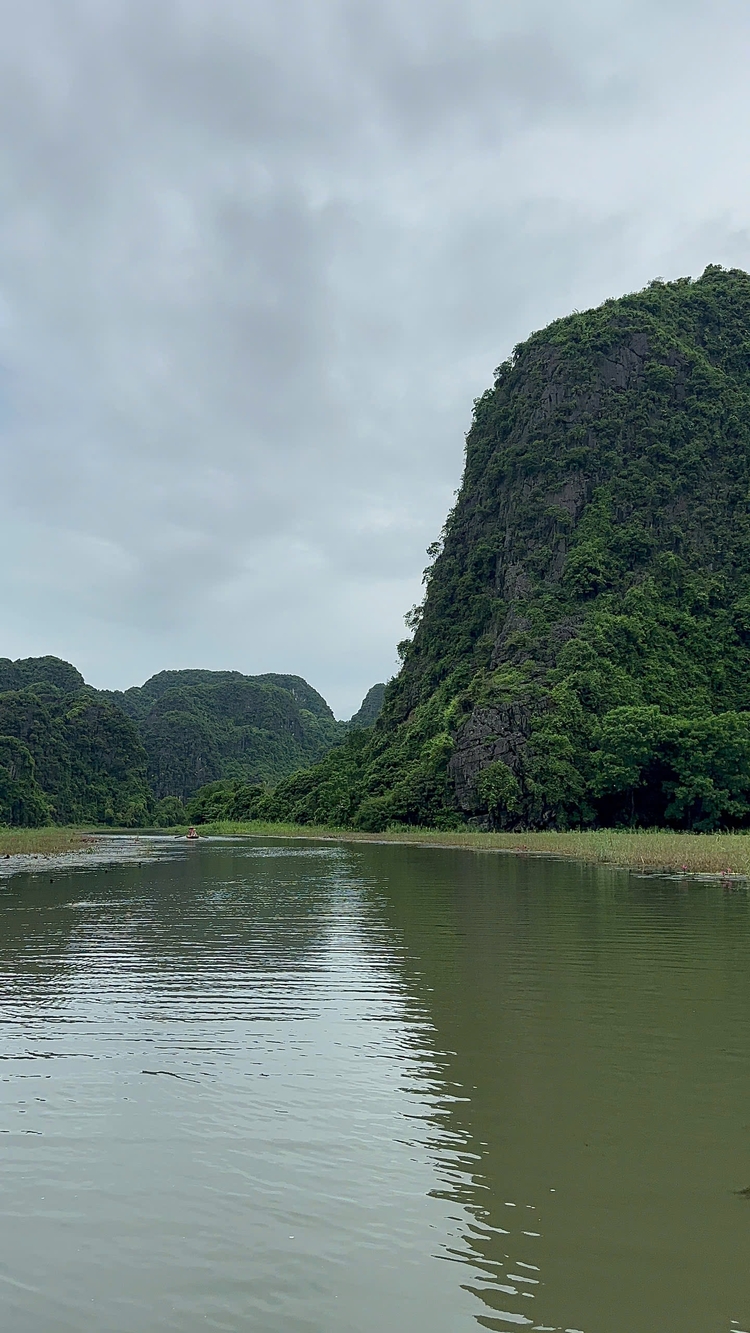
<point x="294" y="1087"/>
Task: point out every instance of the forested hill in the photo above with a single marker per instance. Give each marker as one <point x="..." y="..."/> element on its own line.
<point x="582" y="655"/>
<point x="201" y="726"/>
<point x="27" y="671"/>
<point x="74" y="754"/>
<point x="67" y="753"/>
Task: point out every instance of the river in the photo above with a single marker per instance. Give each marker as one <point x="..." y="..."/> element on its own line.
<point x="292" y="1087"/>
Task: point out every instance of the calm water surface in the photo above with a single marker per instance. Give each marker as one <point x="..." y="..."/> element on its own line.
<point x="311" y="1088"/>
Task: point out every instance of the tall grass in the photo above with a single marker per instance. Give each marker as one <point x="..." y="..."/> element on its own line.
<point x="42" y="841"/>
<point x="653" y="849"/>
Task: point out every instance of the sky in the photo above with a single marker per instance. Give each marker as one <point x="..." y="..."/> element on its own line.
<point x="258" y="258"/>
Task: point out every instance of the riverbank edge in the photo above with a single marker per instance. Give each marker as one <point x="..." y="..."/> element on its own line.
<point x="50" y="840"/>
<point x="717" y="854"/>
<point x="47" y="850"/>
<point x="656" y="850"/>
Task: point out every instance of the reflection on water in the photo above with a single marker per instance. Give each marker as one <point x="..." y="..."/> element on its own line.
<point x="289" y="1086"/>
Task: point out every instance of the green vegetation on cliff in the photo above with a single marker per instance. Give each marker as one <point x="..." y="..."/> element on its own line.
<point x="370" y="709"/>
<point x="67" y="754"/>
<point x="582" y="655"/>
<point x="237" y="799"/>
<point x="72" y="754"/>
<point x="202" y="726"/>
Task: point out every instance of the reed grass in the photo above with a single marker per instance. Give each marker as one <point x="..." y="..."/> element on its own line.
<point x="640" y="849"/>
<point x="42" y="841"/>
<point x="652" y="849"/>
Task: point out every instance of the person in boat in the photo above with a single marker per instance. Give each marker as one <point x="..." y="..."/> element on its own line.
<point x="191" y="833"/>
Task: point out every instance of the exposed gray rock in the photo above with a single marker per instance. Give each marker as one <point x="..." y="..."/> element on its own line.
<point x="488" y="735"/>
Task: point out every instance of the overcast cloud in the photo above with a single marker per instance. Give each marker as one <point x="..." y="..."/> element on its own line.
<point x="257" y="259"/>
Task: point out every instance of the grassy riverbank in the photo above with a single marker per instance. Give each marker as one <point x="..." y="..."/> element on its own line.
<point x="47" y="841"/>
<point x="695" y="853"/>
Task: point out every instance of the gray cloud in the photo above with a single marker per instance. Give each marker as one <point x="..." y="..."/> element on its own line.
<point x="257" y="259"/>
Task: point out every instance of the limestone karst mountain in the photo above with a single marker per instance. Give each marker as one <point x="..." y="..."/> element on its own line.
<point x="73" y="754"/>
<point x="67" y="753"/>
<point x="582" y="655"/>
<point x="202" y="726"/>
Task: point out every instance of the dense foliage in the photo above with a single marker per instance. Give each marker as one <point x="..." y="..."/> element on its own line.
<point x="582" y="655"/>
<point x="67" y="754"/>
<point x="240" y="800"/>
<point x="201" y="726"/>
<point x="371" y="707"/>
<point x="72" y="754"/>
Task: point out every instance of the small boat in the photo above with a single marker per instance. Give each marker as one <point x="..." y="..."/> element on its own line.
<point x="191" y="833"/>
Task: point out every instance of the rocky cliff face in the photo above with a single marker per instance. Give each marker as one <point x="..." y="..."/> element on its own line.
<point x="588" y="609"/>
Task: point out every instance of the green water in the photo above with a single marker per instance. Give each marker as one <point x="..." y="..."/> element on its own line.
<point x="300" y="1088"/>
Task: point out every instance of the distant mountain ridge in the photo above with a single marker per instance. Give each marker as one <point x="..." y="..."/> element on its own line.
<point x="39" y="671"/>
<point x="75" y="754"/>
<point x="67" y="753"/>
<point x="198" y="727"/>
<point x="135" y="700"/>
